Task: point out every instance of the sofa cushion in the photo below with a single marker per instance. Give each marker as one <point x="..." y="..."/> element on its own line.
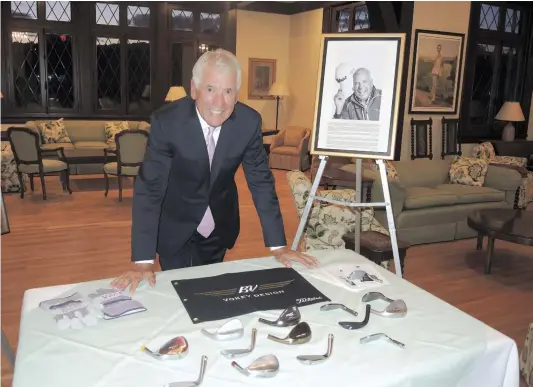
<point x="286" y="150"/>
<point x="91" y="144"/>
<point x="468" y="171"/>
<point x="64" y="145"/>
<point x="471" y="194"/>
<point x="423" y="197"/>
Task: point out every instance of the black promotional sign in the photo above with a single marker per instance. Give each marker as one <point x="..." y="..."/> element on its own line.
<point x="236" y="294"/>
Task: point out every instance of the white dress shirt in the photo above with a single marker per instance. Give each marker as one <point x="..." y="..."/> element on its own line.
<point x="216" y="135"/>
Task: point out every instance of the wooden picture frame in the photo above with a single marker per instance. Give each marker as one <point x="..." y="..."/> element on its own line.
<point x="261" y="76"/>
<point x="358" y="121"/>
<point x="438" y="61"/>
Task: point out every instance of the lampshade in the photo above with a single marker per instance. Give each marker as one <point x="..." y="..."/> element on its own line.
<point x="175" y="92"/>
<point x="510" y="111"/>
<point x="279" y="89"/>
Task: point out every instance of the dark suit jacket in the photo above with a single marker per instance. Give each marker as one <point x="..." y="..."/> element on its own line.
<point x="175" y="184"/>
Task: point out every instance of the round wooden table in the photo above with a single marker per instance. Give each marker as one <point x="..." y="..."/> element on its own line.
<point x="515" y="226"/>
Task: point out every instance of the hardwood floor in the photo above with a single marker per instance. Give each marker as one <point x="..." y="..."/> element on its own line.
<point x="86" y="236"/>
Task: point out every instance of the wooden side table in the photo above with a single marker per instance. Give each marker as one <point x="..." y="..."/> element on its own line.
<point x="377" y="247"/>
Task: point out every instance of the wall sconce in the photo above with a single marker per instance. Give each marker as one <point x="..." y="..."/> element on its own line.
<point x="278" y="90"/>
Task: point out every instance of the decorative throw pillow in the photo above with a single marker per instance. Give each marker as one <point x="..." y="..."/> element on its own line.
<point x="114" y="127"/>
<point x="468" y="171"/>
<point x="54" y="132"/>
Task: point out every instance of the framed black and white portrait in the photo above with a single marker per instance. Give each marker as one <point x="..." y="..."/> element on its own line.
<point x="358" y="89"/>
<point x="436" y="72"/>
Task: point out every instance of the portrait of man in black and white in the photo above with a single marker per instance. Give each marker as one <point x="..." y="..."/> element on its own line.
<point x="364" y="103"/>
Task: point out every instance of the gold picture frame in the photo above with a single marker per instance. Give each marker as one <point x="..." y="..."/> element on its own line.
<point x="261" y="76"/>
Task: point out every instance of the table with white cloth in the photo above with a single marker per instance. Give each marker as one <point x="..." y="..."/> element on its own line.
<point x="443" y="346"/>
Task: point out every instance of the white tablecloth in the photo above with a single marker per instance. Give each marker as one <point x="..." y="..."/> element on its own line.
<point x="444" y="346"/>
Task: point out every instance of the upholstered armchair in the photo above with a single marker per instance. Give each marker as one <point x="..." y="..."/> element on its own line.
<point x="28" y="155"/>
<point x="130" y="149"/>
<point x="327" y="223"/>
<point x="524" y="194"/>
<point x="290" y="149"/>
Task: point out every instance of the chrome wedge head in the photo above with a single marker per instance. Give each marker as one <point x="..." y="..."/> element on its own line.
<point x="351" y="325"/>
<point x="334" y="306"/>
<point x="289" y="317"/>
<point x="263" y="367"/>
<point x="380" y="336"/>
<point x="235" y="353"/>
<point x="300" y="334"/>
<point x="373" y="296"/>
<point x="317" y="359"/>
<point x="196" y="383"/>
<point x="231" y="330"/>
<point x="174" y="349"/>
<point x="395" y="309"/>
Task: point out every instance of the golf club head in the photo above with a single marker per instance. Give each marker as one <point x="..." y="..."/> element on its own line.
<point x="351" y="325"/>
<point x="396" y="309"/>
<point x="289" y="317"/>
<point x="300" y="334"/>
<point x="373" y="296"/>
<point x="235" y="353"/>
<point x="196" y="383"/>
<point x="231" y="330"/>
<point x="317" y="359"/>
<point x="263" y="367"/>
<point x="335" y="306"/>
<point x="379" y="336"/>
<point x="174" y="349"/>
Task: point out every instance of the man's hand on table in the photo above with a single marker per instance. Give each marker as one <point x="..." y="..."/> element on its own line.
<point x="137" y="273"/>
<point x="285" y="255"/>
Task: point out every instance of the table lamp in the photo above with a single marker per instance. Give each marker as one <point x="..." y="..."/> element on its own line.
<point x="278" y="90"/>
<point x="512" y="112"/>
<point x="175" y="93"/>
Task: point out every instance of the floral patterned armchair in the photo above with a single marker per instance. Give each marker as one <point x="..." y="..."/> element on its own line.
<point x="327" y="222"/>
<point x="10" y="179"/>
<point x="526" y="358"/>
<point x="524" y="194"/>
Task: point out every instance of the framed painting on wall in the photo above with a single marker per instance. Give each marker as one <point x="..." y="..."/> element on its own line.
<point x="261" y="76"/>
<point x="356" y="112"/>
<point x="436" y="76"/>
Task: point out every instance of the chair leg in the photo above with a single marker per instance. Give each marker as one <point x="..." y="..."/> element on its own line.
<point x="106" y="184"/>
<point x="43" y="185"/>
<point x="67" y="181"/>
<point x="119" y="188"/>
<point x="21" y="183"/>
<point x="31" y="183"/>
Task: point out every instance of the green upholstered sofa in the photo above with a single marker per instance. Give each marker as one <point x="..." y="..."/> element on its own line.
<point x="427" y="208"/>
<point x="88" y="143"/>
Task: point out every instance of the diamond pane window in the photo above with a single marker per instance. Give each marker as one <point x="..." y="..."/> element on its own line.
<point x="108" y="73"/>
<point x="58" y="11"/>
<point x="24" y="9"/>
<point x="27" y="78"/>
<point x="138" y="62"/>
<point x="512" y="21"/>
<point x="361" y="21"/>
<point x="343" y="18"/>
<point x="484" y="69"/>
<point x="107" y="14"/>
<point x="182" y="20"/>
<point x="489" y="18"/>
<point x="59" y="65"/>
<point x="138" y="16"/>
<point x="209" y="23"/>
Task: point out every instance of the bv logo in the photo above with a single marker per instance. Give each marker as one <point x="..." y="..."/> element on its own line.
<point x="247" y="289"/>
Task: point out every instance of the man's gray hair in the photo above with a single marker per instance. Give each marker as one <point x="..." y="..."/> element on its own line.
<point x="219" y="58"/>
<point x="362" y="70"/>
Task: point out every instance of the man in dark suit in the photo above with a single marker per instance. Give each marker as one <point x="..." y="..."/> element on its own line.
<point x="185" y="204"/>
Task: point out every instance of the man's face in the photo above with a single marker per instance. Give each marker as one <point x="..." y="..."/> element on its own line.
<point x="362" y="85"/>
<point x="216" y="96"/>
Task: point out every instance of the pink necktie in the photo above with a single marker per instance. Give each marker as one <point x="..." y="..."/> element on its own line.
<point x="207" y="225"/>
